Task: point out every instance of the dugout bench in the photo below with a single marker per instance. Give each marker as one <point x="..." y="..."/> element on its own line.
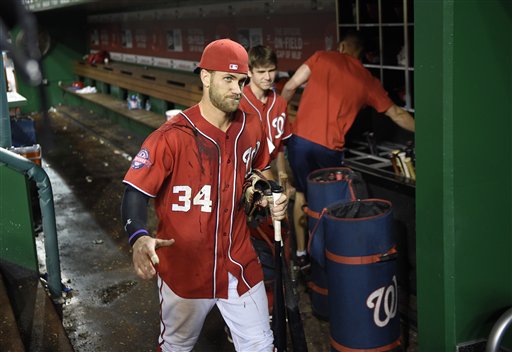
<point x="165" y="89"/>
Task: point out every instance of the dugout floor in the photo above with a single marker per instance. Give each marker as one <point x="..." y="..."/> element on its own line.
<point x="109" y="308"/>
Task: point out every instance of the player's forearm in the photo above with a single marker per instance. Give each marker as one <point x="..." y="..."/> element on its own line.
<point x="134" y="214"/>
<point x="268" y="174"/>
<point x="288" y="91"/>
<point x="401" y="117"/>
<point x="300" y="77"/>
<point x="280" y="164"/>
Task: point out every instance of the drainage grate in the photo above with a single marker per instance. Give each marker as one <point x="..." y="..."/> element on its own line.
<point x="476" y="346"/>
<point x="472" y="346"/>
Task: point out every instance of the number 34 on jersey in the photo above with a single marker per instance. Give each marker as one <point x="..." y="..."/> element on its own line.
<point x="186" y="199"/>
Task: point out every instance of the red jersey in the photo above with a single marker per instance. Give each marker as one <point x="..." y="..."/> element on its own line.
<point x="272" y="115"/>
<point x="338" y="87"/>
<point x="195" y="172"/>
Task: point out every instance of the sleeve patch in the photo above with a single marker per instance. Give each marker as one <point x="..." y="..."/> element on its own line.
<point x="141" y="159"/>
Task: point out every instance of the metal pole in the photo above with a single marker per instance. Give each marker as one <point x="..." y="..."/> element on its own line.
<point x="5" y="121"/>
<point x="381" y="44"/>
<point x="357" y="15"/>
<point x="337" y="23"/>
<point x="408" y="104"/>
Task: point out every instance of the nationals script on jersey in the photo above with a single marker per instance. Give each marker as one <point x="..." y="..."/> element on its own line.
<point x="272" y="115"/>
<point x="196" y="172"/>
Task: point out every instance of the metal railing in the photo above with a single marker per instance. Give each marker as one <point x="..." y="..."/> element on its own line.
<point x="40" y="177"/>
<point x="498" y="331"/>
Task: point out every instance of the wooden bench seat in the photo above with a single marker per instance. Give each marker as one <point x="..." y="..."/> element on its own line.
<point x="142" y="116"/>
<point x="176" y="87"/>
<point x="179" y="88"/>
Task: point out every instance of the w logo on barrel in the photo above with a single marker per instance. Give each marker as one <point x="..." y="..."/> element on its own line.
<point x="384" y="302"/>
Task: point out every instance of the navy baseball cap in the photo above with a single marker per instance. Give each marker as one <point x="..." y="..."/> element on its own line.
<point x="224" y="55"/>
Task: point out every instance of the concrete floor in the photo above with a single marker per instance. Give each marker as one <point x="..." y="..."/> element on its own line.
<point x="109" y="308"/>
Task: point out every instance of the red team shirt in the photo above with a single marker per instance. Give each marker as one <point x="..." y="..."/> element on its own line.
<point x="323" y="117"/>
<point x="272" y="115"/>
<point x="195" y="172"/>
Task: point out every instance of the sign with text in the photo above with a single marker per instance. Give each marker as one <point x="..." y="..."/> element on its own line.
<point x="293" y="36"/>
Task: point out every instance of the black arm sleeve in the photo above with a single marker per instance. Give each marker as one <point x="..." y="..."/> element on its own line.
<point x="134" y="212"/>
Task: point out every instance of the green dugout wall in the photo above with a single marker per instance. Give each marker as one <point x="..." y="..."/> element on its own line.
<point x="16" y="230"/>
<point x="463" y="92"/>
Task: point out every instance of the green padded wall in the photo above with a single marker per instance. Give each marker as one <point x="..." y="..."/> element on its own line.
<point x="463" y="95"/>
<point x="16" y="230"/>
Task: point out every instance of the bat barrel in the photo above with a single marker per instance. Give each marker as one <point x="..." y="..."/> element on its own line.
<point x="279" y="309"/>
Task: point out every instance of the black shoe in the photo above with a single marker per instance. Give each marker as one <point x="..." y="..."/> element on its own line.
<point x="302" y="268"/>
<point x="303" y="263"/>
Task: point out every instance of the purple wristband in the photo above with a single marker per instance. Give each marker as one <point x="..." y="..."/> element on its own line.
<point x="138" y="232"/>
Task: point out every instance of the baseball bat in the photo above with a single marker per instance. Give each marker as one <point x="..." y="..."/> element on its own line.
<point x="410" y="167"/>
<point x="401" y="159"/>
<point x="396" y="155"/>
<point x="297" y="335"/>
<point x="396" y="170"/>
<point x="278" y="311"/>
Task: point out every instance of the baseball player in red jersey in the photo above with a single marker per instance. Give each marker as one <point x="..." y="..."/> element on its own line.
<point x="338" y="86"/>
<point x="194" y="166"/>
<point x="259" y="97"/>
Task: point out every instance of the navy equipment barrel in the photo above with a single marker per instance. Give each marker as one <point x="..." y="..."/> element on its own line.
<point x="360" y="255"/>
<point x="325" y="187"/>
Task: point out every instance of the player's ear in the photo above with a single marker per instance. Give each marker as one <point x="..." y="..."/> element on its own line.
<point x="205" y="77"/>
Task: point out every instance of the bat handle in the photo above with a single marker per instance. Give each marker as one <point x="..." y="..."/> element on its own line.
<point x="276" y="192"/>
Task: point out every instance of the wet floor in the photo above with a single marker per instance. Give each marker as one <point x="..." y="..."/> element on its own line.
<point x="109" y="307"/>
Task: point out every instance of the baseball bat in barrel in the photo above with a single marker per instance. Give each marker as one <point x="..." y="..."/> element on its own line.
<point x="291" y="301"/>
<point x="297" y="335"/>
<point x="279" y="312"/>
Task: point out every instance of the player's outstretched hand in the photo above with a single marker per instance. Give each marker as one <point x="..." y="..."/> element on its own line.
<point x="145" y="257"/>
